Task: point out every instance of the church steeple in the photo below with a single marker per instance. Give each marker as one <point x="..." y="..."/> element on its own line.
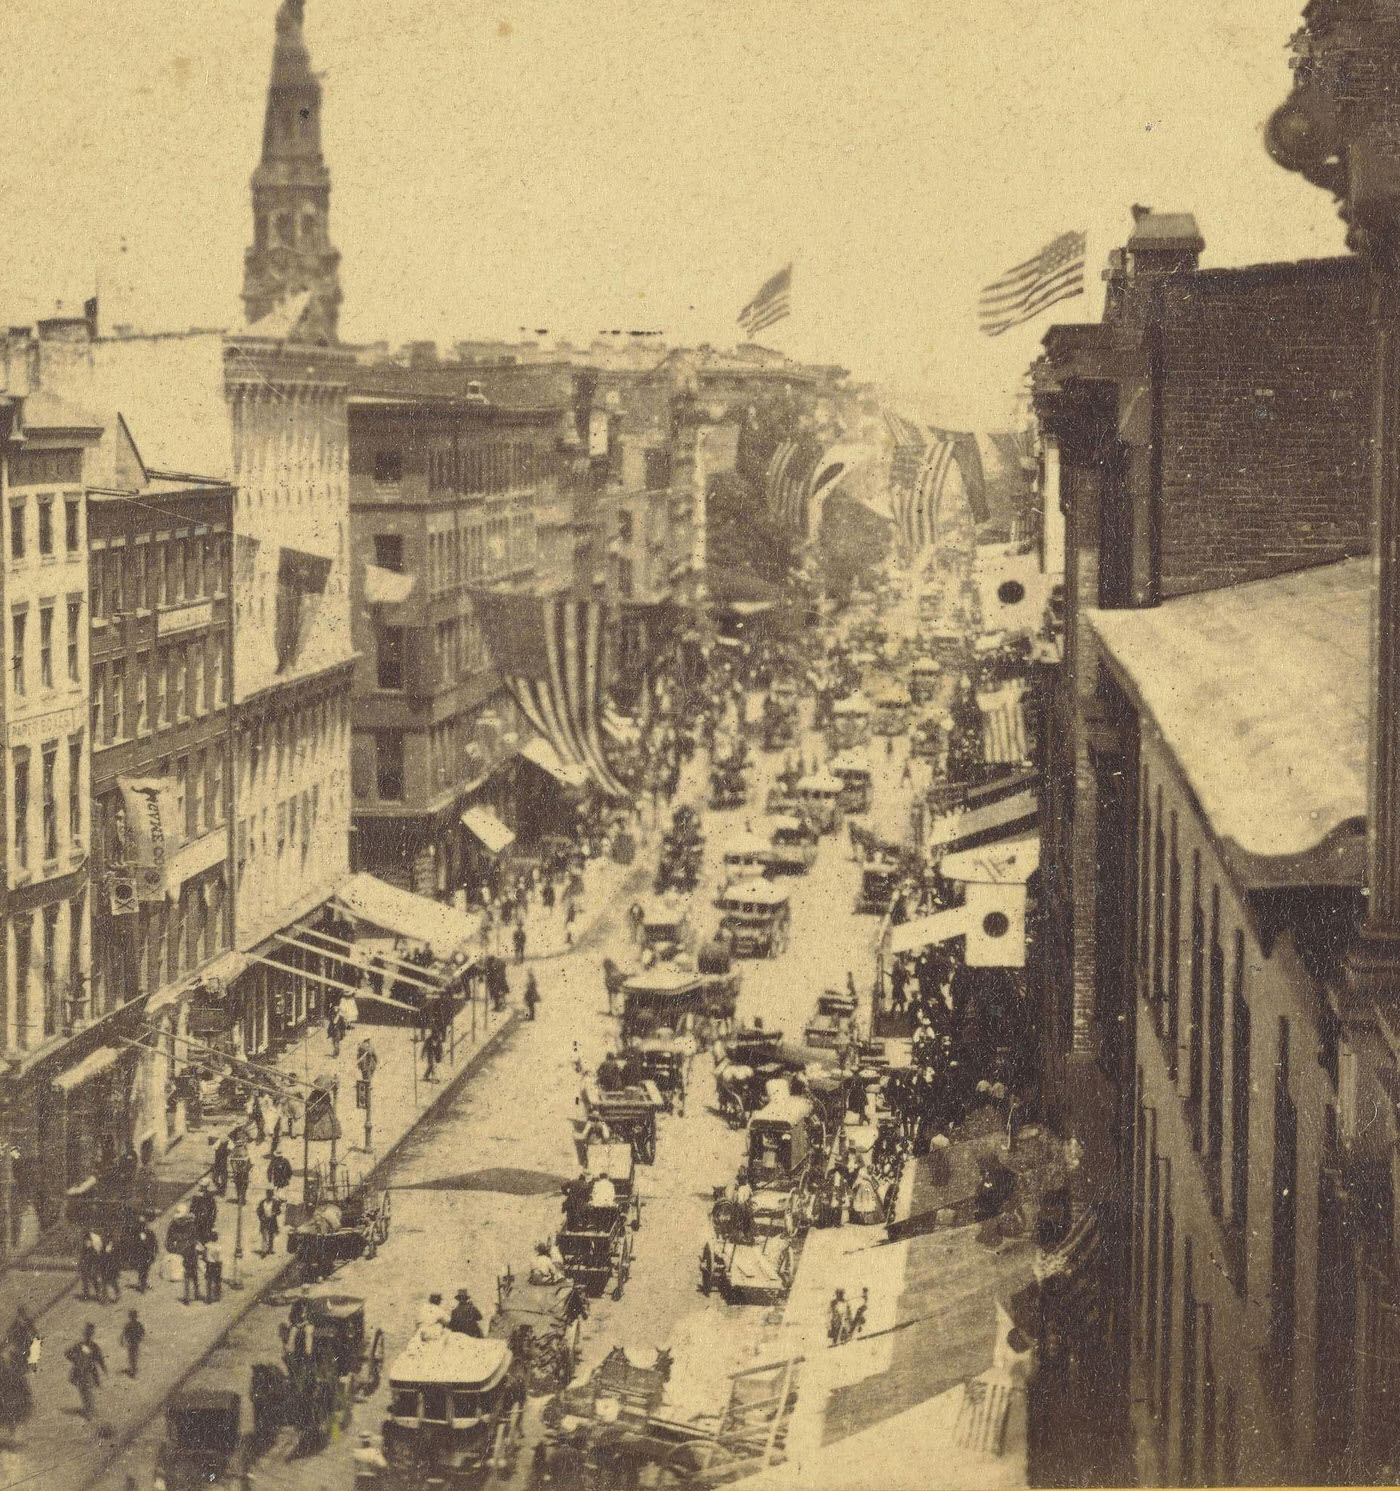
<point x="291" y="253"/>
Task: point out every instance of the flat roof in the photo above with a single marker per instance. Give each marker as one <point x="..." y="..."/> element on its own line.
<point x="1260" y="691"/>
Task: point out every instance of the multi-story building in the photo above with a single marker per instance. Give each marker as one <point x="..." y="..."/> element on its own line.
<point x="446" y="492"/>
<point x="160" y="561"/>
<point x="1201" y="860"/>
<point x="57" y="1087"/>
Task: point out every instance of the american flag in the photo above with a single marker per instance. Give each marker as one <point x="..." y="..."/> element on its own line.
<point x="1004" y="735"/>
<point x="1055" y="273"/>
<point x="788" y="470"/>
<point x="551" y="653"/>
<point x="916" y="498"/>
<point x="772" y="303"/>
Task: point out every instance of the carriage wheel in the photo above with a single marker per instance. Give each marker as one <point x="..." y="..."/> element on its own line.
<point x="785" y="1269"/>
<point x="374" y="1363"/>
<point x="707" y="1270"/>
<point x="636" y="1205"/>
<point x="624" y="1260"/>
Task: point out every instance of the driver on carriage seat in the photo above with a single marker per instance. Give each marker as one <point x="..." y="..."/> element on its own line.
<point x="602" y="1193"/>
<point x="546" y="1267"/>
<point x="611" y="1076"/>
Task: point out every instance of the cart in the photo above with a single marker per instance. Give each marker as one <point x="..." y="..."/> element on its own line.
<point x="339" y="1230"/>
<point x="595" y="1241"/>
<point x="741" y="1271"/>
<point x="665" y="928"/>
<point x="617" y="1163"/>
<point x="820" y="795"/>
<point x="728" y="789"/>
<point x="203" y="1443"/>
<point x="857" y="784"/>
<point x="542" y="1321"/>
<point x="793" y="843"/>
<point x="879" y="880"/>
<point x="754" y="919"/>
<point x="338" y="1334"/>
<point x="833" y="1022"/>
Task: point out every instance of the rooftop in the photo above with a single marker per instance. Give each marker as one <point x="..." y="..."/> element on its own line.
<point x="1260" y="692"/>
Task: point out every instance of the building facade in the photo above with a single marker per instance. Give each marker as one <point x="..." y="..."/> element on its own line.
<point x="1208" y="445"/>
<point x="446" y="494"/>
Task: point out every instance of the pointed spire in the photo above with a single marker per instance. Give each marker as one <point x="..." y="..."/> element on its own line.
<point x="291" y="62"/>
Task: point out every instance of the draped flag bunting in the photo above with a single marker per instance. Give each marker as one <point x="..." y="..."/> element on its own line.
<point x="837" y="465"/>
<point x="788" y="473"/>
<point x="551" y="653"/>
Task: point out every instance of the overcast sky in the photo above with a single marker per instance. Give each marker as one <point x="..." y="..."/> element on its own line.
<point x="646" y="165"/>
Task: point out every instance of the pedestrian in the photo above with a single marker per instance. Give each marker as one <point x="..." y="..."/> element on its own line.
<point x="839" y="1318"/>
<point x="570" y="915"/>
<point x="367" y="1060"/>
<point x="289" y="1112"/>
<point x="518" y="941"/>
<point x="204" y="1209"/>
<point x="144" y="1251"/>
<point x="133" y="1333"/>
<point x="189" y="1267"/>
<point x="255" y="1112"/>
<point x="31" y="1357"/>
<point x="465" y="1317"/>
<point x="907" y="775"/>
<point x="547" y="895"/>
<point x="213" y="1271"/>
<point x="22" y="1332"/>
<point x="858" y="1319"/>
<point x="218" y="1170"/>
<point x="241" y="1167"/>
<point x="279" y="1171"/>
<point x="90" y="1266"/>
<point x="335" y="1030"/>
<point x="269" y="1220"/>
<point x="532" y="995"/>
<point x="430" y="1053"/>
<point x="109" y="1272"/>
<point x="87" y="1366"/>
<point x="851" y="987"/>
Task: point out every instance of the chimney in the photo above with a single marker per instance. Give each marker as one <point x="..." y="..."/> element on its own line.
<point x="1163" y="243"/>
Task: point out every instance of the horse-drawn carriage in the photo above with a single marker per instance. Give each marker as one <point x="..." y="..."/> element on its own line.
<point x="595" y="1240"/>
<point x="203" y="1444"/>
<point x="879" y="880"/>
<point x="627" y="1114"/>
<point x="665" y="1061"/>
<point x="834" y="1022"/>
<point x="541" y="1318"/>
<point x="676" y="1000"/>
<point x="754" y="919"/>
<point x="345" y="1224"/>
<point x="329" y="1360"/>
<point x="761" y="1269"/>
<point x="455" y="1413"/>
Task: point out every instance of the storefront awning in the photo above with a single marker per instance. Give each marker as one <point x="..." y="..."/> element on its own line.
<point x="1012" y="862"/>
<point x="925" y="931"/>
<point x="488" y="829"/>
<point x="1012" y="815"/>
<point x="542" y="754"/>
<point x="443" y="928"/>
<point x="386" y="587"/>
<point x="91" y="1064"/>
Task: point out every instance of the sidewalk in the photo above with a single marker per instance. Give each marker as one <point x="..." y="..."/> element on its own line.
<point x="55" y="1448"/>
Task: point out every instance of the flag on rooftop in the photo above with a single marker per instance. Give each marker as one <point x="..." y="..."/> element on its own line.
<point x="772" y="303"/>
<point x="1056" y="273"/>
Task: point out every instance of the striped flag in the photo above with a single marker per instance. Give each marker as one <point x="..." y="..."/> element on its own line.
<point x="788" y="471"/>
<point x="772" y="303"/>
<point x="1004" y="738"/>
<point x="916" y="504"/>
<point x="551" y="653"/>
<point x="1055" y="273"/>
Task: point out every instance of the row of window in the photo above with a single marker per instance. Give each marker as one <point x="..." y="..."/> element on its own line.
<point x="460" y="648"/>
<point x="173" y="939"/>
<point x="453" y="758"/>
<point x="47" y="506"/>
<point x="168" y="685"/>
<point x="60" y="801"/>
<point x="44" y="997"/>
<point x="500" y="466"/>
<point x="280" y="744"/>
<point x="141" y="577"/>
<point x="480" y="550"/>
<point x="22" y="673"/>
<point x="287" y="826"/>
<point x="1215" y="1066"/>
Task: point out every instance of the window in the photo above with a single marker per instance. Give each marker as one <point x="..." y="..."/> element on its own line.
<point x="98" y="705"/>
<point x="388" y="467"/>
<point x="201" y="793"/>
<point x="1282" y="1304"/>
<point x="658" y="470"/>
<point x="217" y="691"/>
<point x="1215" y="1084"/>
<point x="1187" y="1442"/>
<point x="196" y="661"/>
<point x="389" y="784"/>
<point x="70" y="524"/>
<point x="1196" y="1037"/>
<point x="116" y="580"/>
<point x="46" y="526"/>
<point x="1239" y="1098"/>
<point x="176" y="658"/>
<point x="50" y="802"/>
<point x="191" y="569"/>
<point x="24" y="961"/>
<point x="46" y="646"/>
<point x="75" y="957"/>
<point x="22" y="808"/>
<point x="75" y="787"/>
<point x="17" y="625"/>
<point x="184" y="798"/>
<point x="116" y="716"/>
<point x="624" y="526"/>
<point x="75" y="622"/>
<point x="390" y="657"/>
<point x="51" y="1013"/>
<point x="216" y="787"/>
<point x="1173" y="956"/>
<point x="17" y="529"/>
<point x="97" y="583"/>
<point x="170" y="589"/>
<point x="388" y="551"/>
<point x="160" y="706"/>
<point x="143" y="685"/>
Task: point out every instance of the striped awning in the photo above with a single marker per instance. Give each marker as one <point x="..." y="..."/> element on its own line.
<point x="925" y="931"/>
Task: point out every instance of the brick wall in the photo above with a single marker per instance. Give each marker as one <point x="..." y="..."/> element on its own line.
<point x="1265" y="422"/>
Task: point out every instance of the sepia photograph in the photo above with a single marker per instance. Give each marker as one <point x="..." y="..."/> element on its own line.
<point x="699" y="745"/>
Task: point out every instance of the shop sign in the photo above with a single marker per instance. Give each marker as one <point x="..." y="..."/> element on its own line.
<point x="185" y="618"/>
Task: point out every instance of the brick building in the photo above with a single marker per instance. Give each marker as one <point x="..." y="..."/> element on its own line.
<point x="446" y="493"/>
<point x="1206" y="441"/>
